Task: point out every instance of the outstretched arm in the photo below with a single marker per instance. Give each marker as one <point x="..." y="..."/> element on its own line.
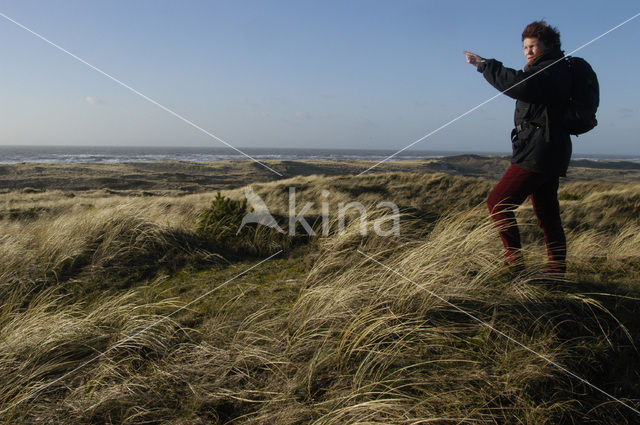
<point x="533" y="86"/>
<point x="529" y="86"/>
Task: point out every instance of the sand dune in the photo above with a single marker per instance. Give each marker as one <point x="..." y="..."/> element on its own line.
<point x="192" y="177"/>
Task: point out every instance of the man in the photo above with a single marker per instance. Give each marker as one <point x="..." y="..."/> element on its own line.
<point x="541" y="145"/>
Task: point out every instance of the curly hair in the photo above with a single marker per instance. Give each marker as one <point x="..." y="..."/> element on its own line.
<point x="549" y="35"/>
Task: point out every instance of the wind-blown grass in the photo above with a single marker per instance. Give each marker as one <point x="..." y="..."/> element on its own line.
<point x="325" y="336"/>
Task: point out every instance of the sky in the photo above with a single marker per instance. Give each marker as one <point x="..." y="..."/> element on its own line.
<point x="359" y="74"/>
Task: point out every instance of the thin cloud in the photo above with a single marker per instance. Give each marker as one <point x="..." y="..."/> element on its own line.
<point x="93" y="100"/>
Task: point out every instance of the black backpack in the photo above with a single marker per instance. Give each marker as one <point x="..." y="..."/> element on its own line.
<point x="584" y="98"/>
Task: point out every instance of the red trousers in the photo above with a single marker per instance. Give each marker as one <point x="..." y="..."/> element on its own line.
<point x="512" y="190"/>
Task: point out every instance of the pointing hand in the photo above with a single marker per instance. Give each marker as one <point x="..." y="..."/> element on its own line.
<point x="473" y="59"/>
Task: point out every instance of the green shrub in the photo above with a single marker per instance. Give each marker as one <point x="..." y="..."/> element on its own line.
<point x="223" y="218"/>
<point x="220" y="224"/>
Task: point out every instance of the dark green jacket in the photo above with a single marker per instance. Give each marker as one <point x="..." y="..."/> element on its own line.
<point x="540" y="142"/>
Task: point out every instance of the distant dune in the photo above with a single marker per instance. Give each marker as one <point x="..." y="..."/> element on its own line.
<point x="197" y="177"/>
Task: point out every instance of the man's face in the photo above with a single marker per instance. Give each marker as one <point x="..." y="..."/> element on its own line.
<point x="532" y="46"/>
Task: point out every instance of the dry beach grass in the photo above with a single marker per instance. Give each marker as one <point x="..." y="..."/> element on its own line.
<point x="320" y="334"/>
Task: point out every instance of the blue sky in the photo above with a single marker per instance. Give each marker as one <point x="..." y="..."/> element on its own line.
<point x="330" y="74"/>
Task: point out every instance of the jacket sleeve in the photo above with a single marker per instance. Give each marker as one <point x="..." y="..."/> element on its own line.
<point x="531" y="86"/>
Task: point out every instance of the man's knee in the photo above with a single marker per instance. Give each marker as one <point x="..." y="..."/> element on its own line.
<point x="490" y="205"/>
<point x="497" y="205"/>
<point x="495" y="202"/>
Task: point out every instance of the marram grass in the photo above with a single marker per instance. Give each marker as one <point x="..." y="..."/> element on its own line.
<point x="325" y="335"/>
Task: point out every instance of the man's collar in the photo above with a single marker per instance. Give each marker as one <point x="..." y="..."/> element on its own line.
<point x="549" y="54"/>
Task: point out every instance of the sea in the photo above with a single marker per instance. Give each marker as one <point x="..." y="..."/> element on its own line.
<point x="115" y="154"/>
